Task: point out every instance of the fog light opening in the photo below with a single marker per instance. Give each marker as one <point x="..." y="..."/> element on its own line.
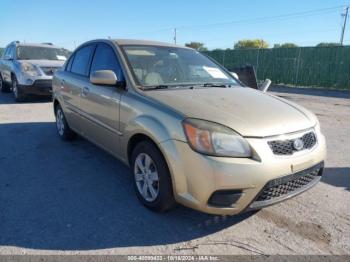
<point x="225" y="198"/>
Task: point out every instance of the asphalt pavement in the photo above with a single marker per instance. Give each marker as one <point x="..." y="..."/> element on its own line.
<point x="73" y="198"/>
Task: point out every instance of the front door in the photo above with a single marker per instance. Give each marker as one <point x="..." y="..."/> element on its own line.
<point x="100" y="103"/>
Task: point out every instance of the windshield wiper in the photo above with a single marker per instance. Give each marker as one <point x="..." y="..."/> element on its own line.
<point x="215" y="85"/>
<point x="156" y="87"/>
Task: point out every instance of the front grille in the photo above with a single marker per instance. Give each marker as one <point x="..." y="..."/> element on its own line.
<point x="43" y="83"/>
<point x="49" y="71"/>
<point x="287" y="147"/>
<point x="285" y="186"/>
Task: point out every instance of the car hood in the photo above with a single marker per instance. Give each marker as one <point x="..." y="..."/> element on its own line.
<point x="247" y="111"/>
<point x="45" y="63"/>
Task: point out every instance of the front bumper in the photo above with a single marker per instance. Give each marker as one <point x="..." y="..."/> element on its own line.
<point x="41" y="87"/>
<point x="197" y="177"/>
<point x="280" y="189"/>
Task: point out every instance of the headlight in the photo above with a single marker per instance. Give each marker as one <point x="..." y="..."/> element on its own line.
<point x="214" y="139"/>
<point x="318" y="126"/>
<point x="30" y="69"/>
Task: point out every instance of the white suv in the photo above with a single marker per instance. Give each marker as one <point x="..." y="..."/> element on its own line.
<point x="27" y="69"/>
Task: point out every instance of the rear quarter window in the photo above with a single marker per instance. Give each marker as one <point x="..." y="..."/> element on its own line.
<point x="69" y="64"/>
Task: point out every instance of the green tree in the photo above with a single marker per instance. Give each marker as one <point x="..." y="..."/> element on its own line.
<point x="324" y="44"/>
<point x="251" y="43"/>
<point x="285" y="45"/>
<point x="197" y="45"/>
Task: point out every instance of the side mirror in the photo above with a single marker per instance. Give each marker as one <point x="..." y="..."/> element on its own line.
<point x="265" y="85"/>
<point x="103" y="77"/>
<point x="7" y="57"/>
<point x="234" y="75"/>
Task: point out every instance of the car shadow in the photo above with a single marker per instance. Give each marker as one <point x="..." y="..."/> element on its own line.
<point x="337" y="176"/>
<point x="7" y="98"/>
<point x="56" y="195"/>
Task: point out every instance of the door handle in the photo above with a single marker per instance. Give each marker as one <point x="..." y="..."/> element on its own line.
<point x="85" y="91"/>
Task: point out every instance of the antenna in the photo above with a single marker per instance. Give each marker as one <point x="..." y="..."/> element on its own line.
<point x="175" y="36"/>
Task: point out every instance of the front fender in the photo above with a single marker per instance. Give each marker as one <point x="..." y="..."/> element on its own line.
<point x="144" y="125"/>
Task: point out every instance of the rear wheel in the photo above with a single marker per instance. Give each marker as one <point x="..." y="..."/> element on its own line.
<point x="3" y="87"/>
<point x="152" y="177"/>
<point x="17" y="94"/>
<point x="63" y="129"/>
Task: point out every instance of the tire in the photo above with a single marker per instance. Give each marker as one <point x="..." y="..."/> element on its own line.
<point x="4" y="88"/>
<point x="63" y="129"/>
<point x="17" y="94"/>
<point x="156" y="175"/>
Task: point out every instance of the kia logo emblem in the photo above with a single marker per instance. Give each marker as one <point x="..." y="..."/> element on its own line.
<point x="298" y="144"/>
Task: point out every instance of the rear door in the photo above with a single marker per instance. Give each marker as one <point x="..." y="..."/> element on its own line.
<point x="100" y="103"/>
<point x="73" y="79"/>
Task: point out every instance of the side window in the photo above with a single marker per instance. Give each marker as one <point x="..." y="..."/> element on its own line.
<point x="69" y="64"/>
<point x="11" y="52"/>
<point x="81" y="60"/>
<point x="6" y="51"/>
<point x="106" y="59"/>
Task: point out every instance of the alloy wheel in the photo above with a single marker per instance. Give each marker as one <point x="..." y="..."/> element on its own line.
<point x="60" y="122"/>
<point x="146" y="177"/>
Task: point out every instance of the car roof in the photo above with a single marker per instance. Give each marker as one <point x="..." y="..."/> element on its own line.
<point x="37" y="45"/>
<point x="143" y="42"/>
<point x="121" y="42"/>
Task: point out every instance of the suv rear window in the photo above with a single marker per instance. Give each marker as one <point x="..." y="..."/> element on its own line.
<point x="81" y="60"/>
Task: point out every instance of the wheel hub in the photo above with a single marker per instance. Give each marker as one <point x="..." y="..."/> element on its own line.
<point x="146" y="177"/>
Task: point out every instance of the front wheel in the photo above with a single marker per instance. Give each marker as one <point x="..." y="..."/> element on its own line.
<point x="63" y="129"/>
<point x="17" y="94"/>
<point x="152" y="177"/>
<point x="4" y="88"/>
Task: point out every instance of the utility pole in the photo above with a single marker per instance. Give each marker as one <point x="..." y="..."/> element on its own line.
<point x="344" y="25"/>
<point x="175" y="40"/>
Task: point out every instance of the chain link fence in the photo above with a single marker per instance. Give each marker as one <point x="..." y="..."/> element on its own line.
<point x="327" y="67"/>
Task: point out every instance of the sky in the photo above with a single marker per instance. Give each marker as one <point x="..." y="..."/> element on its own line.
<point x="218" y="24"/>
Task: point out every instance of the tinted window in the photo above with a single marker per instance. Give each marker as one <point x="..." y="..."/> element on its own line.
<point x="9" y="52"/>
<point x="81" y="60"/>
<point x="6" y="52"/>
<point x="70" y="62"/>
<point x="105" y="59"/>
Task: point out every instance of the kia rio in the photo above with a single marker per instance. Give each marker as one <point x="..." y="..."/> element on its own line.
<point x="189" y="130"/>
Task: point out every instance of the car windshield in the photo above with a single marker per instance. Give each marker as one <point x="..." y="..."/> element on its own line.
<point x="168" y="66"/>
<point x="41" y="53"/>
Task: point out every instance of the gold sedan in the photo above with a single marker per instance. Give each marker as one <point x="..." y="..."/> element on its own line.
<point x="189" y="130"/>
